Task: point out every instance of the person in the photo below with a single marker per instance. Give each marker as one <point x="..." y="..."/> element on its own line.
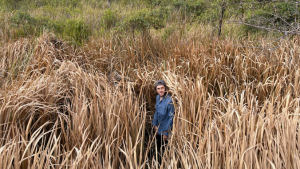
<point x="163" y="117"/>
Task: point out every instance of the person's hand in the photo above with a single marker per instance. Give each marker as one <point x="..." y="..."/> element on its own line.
<point x="155" y="129"/>
<point x="165" y="137"/>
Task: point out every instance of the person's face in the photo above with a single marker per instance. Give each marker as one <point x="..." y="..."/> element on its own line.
<point x="161" y="90"/>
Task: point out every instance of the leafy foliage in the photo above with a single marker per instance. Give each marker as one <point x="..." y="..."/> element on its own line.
<point x="77" y="17"/>
<point x="144" y="19"/>
<point x="109" y="18"/>
<point x="26" y="25"/>
<point x="190" y="7"/>
<point x="272" y="16"/>
<point x="77" y="30"/>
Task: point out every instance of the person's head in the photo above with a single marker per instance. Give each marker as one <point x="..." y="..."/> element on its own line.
<point x="161" y="87"/>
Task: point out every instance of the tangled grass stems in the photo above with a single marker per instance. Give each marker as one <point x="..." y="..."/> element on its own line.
<point x="91" y="107"/>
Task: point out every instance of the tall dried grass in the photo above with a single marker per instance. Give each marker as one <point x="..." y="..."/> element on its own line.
<point x="61" y="106"/>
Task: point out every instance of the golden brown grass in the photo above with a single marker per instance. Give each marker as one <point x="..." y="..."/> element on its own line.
<point x="61" y="106"/>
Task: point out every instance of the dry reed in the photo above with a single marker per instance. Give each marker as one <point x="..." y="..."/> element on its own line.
<point x="61" y="106"/>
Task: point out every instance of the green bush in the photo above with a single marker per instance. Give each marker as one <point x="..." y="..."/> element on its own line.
<point x="144" y="20"/>
<point x="192" y="8"/>
<point x="25" y="25"/>
<point x="22" y="18"/>
<point x="211" y="13"/>
<point x="58" y="26"/>
<point x="26" y="5"/>
<point x="157" y="18"/>
<point x="77" y="30"/>
<point x="279" y="16"/>
<point x="159" y="2"/>
<point x="57" y="3"/>
<point x="11" y="4"/>
<point x="168" y="32"/>
<point x="109" y="18"/>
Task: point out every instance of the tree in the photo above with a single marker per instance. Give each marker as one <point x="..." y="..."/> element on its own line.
<point x="143" y="20"/>
<point x="278" y="16"/>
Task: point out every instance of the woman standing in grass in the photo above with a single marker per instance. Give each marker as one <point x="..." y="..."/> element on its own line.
<point x="163" y="117"/>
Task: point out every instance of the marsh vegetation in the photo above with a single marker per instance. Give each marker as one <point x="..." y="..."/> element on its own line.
<point x="77" y="91"/>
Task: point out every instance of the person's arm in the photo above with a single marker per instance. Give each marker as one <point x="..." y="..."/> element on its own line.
<point x="155" y="120"/>
<point x="171" y="113"/>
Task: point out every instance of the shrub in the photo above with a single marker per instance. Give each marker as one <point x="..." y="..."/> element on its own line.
<point x="77" y="30"/>
<point x="58" y="26"/>
<point x="191" y="8"/>
<point x="66" y="3"/>
<point x="156" y="18"/>
<point x="12" y="4"/>
<point x="25" y="4"/>
<point x="278" y="16"/>
<point x="168" y="32"/>
<point x="25" y="25"/>
<point x="144" y="20"/>
<point x="109" y="18"/>
<point x="210" y="14"/>
<point x="22" y="18"/>
<point x="159" y="2"/>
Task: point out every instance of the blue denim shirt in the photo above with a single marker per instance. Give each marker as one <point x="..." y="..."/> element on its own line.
<point x="164" y="114"/>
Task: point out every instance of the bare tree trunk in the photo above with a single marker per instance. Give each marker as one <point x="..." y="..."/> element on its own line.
<point x="133" y="32"/>
<point x="221" y="18"/>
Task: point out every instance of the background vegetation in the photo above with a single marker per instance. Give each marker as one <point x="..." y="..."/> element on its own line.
<point x="76" y="83"/>
<point x="77" y="20"/>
